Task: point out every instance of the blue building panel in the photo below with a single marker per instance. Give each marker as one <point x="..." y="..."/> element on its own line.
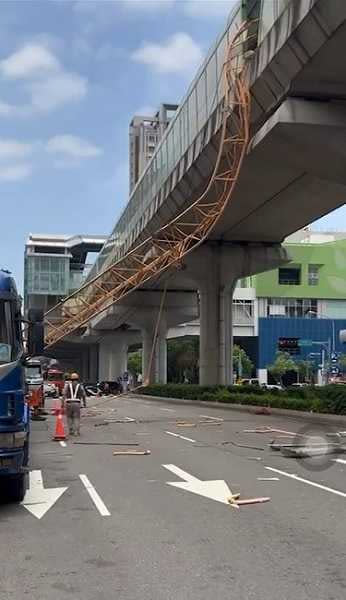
<point x="271" y="329"/>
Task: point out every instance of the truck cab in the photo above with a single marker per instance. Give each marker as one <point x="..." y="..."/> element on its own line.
<point x="14" y="410"/>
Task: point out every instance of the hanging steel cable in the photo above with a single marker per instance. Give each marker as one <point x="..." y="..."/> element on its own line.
<point x="170" y="244"/>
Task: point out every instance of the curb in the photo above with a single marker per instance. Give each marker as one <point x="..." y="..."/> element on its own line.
<point x="323" y="419"/>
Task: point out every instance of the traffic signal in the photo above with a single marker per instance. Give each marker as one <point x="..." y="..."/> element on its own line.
<point x="290" y="345"/>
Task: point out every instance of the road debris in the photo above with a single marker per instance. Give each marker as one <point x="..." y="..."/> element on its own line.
<point x="184" y="424"/>
<point x="107" y="443"/>
<point x="253" y="501"/>
<point x="125" y="420"/>
<point x="131" y="452"/>
<point x="241" y="445"/>
<point x="262" y="410"/>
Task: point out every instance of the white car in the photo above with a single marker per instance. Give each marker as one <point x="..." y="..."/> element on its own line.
<point x="272" y="386"/>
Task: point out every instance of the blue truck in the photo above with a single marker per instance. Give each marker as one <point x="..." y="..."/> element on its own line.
<point x="14" y="409"/>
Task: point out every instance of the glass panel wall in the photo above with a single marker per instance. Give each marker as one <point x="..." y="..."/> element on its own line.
<point x="201" y="99"/>
<point x="47" y="275"/>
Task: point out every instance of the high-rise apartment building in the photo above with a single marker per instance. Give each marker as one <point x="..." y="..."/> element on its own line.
<point x="144" y="134"/>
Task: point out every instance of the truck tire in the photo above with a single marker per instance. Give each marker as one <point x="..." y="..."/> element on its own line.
<point x="17" y="488"/>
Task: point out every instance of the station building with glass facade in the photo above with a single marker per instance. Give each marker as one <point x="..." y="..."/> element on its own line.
<point x="55" y="266"/>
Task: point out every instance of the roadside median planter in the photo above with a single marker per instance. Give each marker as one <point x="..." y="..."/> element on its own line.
<point x="330" y="399"/>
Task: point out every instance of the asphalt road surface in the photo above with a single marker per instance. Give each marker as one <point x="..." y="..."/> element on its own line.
<point x="111" y="527"/>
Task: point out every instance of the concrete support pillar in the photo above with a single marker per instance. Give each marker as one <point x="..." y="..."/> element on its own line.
<point x="216" y="339"/>
<point x="113" y="356"/>
<point x="93" y="363"/>
<point x="216" y="269"/>
<point x="158" y="371"/>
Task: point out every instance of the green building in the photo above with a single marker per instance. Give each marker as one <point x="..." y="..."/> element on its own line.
<point x="303" y="301"/>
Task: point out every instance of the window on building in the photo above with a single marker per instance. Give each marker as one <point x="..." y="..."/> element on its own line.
<point x="313" y="274"/>
<point x="289" y="276"/>
<point x="294" y="308"/>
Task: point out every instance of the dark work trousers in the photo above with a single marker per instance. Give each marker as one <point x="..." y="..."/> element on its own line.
<point x="73" y="416"/>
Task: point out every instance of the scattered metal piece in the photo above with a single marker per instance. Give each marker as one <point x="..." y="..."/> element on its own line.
<point x="107" y="443"/>
<point x="242" y="445"/>
<point x="131" y="452"/>
<point x="126" y="420"/>
<point x="253" y="501"/>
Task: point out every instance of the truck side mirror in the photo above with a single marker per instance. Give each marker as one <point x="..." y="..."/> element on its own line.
<point x="35" y="332"/>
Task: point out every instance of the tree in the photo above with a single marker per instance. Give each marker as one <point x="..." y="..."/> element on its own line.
<point x="242" y="364"/>
<point x="306" y="370"/>
<point x="134" y="362"/>
<point x="182" y="359"/>
<point x="283" y="364"/>
<point x="342" y="362"/>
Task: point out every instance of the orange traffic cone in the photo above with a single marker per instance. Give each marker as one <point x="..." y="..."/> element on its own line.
<point x="59" y="429"/>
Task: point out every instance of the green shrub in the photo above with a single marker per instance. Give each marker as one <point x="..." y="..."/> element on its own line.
<point x="327" y="399"/>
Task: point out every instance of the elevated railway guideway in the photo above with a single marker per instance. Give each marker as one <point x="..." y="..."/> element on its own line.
<point x="166" y="248"/>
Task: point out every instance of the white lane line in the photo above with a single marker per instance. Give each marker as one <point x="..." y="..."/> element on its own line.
<point x="101" y="507"/>
<point x="213" y="418"/>
<point x="168" y="409"/>
<point x="312" y="483"/>
<point x="340" y="460"/>
<point x="63" y="444"/>
<point x="180" y="436"/>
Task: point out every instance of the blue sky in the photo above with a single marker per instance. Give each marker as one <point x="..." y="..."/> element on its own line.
<point x="72" y="74"/>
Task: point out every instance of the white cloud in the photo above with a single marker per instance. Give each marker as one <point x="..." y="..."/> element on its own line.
<point x="31" y="60"/>
<point x="71" y="146"/>
<point x="12" y="149"/>
<point x="177" y="54"/>
<point x="15" y="172"/>
<point x="56" y="90"/>
<point x="208" y="8"/>
<point x="47" y="83"/>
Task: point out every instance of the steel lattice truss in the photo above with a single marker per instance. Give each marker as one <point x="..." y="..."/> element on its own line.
<point x="170" y="244"/>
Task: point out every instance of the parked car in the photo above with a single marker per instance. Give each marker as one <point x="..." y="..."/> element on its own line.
<point x="272" y="386"/>
<point x="249" y="382"/>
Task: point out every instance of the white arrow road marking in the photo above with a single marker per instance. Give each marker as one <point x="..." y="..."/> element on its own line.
<point x="37" y="500"/>
<point x="313" y="483"/>
<point x="215" y="490"/>
<point x="100" y="505"/>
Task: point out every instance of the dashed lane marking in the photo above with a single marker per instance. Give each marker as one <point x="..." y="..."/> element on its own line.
<point x="342" y="461"/>
<point x="167" y="409"/>
<point x="182" y="437"/>
<point x="100" y="505"/>
<point x="63" y="444"/>
<point x="213" y="418"/>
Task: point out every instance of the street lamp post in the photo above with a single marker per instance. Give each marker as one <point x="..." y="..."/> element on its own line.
<point x="314" y="312"/>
